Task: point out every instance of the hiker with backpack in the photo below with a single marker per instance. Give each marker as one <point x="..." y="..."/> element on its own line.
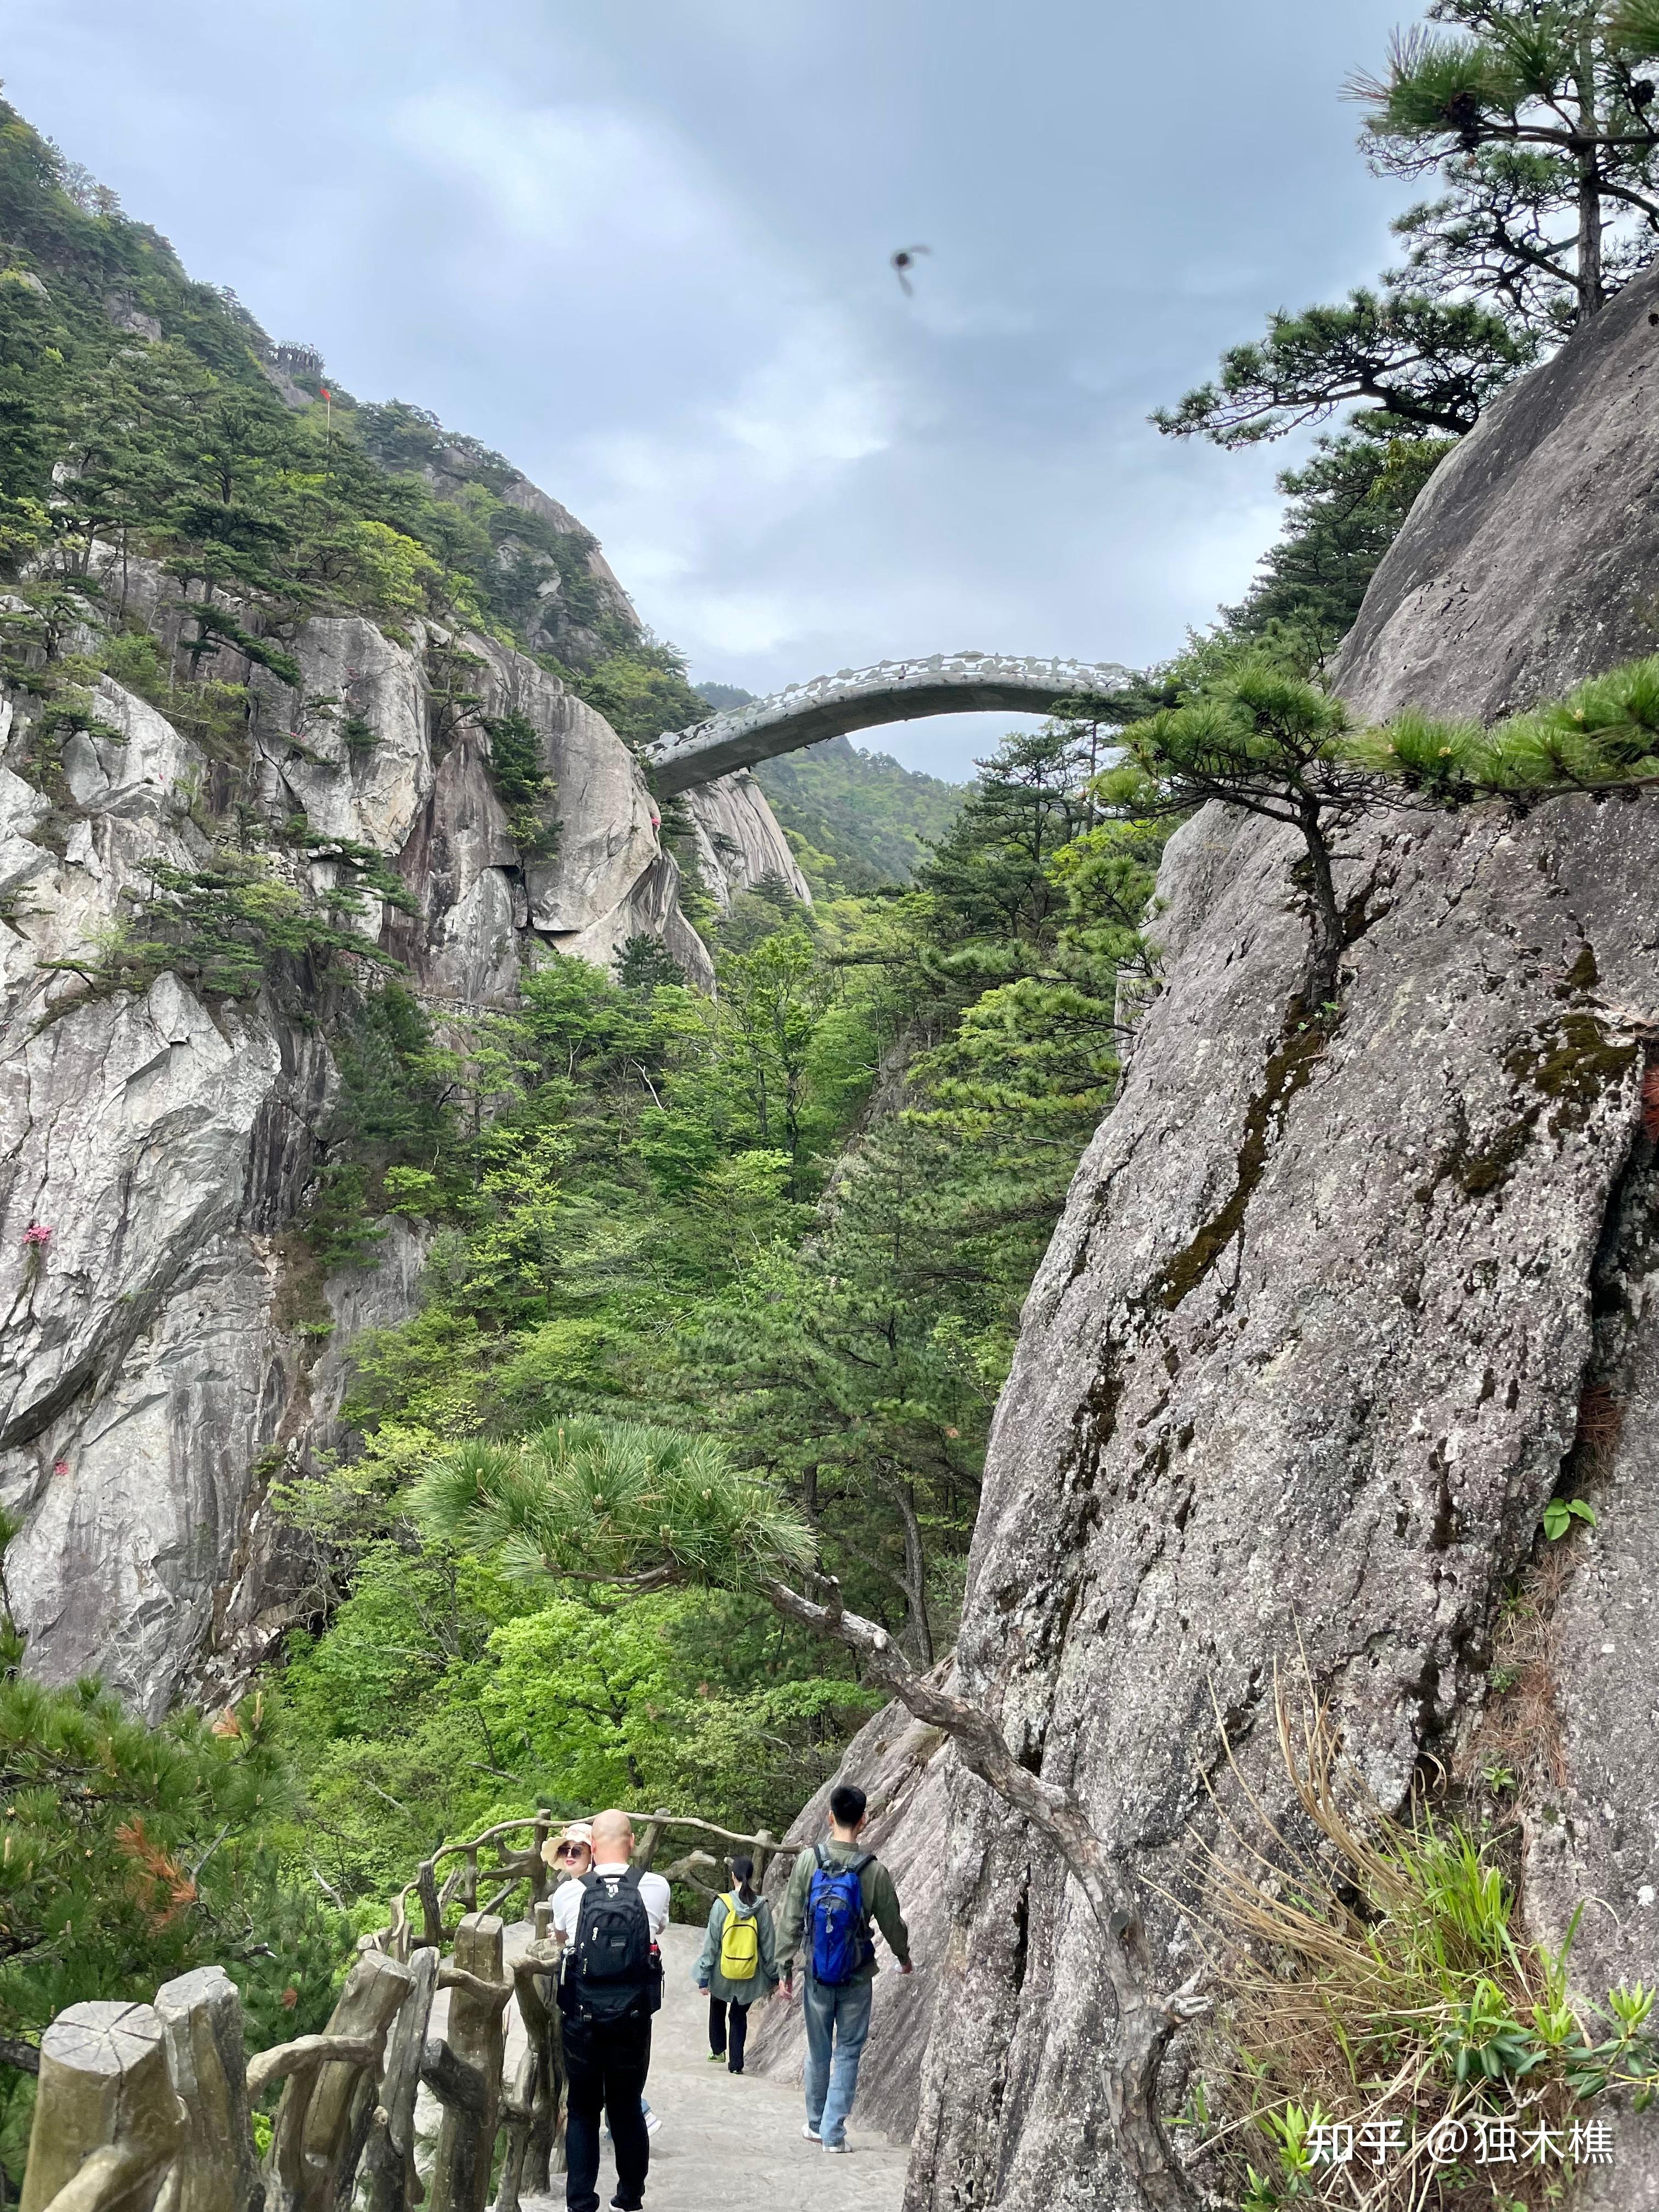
<point x="836" y="1890"/>
<point x="607" y="1923"/>
<point x="737" y="1963"/>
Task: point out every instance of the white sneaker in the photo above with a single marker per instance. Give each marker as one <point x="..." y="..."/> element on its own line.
<point x="651" y="2123"/>
<point x="812" y="2133"/>
<point x="842" y="2145"/>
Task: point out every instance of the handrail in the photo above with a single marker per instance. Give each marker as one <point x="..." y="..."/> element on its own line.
<point x="514" y="1867"/>
<point x="343" y="2131"/>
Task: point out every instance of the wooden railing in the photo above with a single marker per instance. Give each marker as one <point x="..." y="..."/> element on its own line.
<point x="150" y="2107"/>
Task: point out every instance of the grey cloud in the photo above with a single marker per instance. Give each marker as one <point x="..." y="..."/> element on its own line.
<point x="644" y="251"/>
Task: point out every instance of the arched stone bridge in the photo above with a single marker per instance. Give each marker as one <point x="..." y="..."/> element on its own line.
<point x="857" y="699"/>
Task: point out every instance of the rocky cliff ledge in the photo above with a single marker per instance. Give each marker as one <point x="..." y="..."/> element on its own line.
<point x="1313" y="1341"/>
<point x="158" y="1146"/>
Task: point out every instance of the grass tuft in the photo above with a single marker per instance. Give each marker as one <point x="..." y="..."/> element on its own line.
<point x="1375" y="1975"/>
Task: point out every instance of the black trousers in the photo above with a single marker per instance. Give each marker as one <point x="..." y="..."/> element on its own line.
<point x="717" y="2031"/>
<point x="605" y="2063"/>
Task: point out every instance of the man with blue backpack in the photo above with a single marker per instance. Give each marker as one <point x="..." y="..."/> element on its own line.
<point x="835" y="1892"/>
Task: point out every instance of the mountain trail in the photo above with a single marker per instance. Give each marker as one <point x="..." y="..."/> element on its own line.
<point x="733" y="2142"/>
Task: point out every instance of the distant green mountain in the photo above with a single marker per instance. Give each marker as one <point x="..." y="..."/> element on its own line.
<point x="871" y="819"/>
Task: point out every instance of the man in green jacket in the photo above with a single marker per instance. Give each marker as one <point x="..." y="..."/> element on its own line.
<point x="836" y="1890"/>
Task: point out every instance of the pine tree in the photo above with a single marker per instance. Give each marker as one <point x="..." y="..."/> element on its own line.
<point x="132" y="1853"/>
<point x="1542" y="126"/>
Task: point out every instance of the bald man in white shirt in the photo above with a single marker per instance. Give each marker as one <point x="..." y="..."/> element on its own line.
<point x="608" y="1924"/>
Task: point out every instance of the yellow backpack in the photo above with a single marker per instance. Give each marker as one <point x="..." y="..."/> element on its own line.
<point x="739" y="1942"/>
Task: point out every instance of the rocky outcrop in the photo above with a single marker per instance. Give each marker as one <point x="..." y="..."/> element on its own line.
<point x="1530" y="559"/>
<point x="1325" y="1315"/>
<point x="738" y="841"/>
<point x="1297" y="1374"/>
<point x="161" y="1356"/>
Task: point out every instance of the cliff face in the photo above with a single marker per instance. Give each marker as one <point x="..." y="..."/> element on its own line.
<point x="154" y="1370"/>
<point x="738" y="841"/>
<point x="1529" y="561"/>
<point x="1308" y="1351"/>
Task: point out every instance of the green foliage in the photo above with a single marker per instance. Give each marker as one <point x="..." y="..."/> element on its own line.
<point x="227" y="928"/>
<point x="1347" y="505"/>
<point x="525" y="788"/>
<point x="133" y="1853"/>
<point x="1519" y="108"/>
<point x="444" y="1693"/>
<point x="617" y="1501"/>
<point x="646" y="964"/>
<point x="181" y="448"/>
<point x="857" y="820"/>
<point x="1542" y="135"/>
<point x="623" y="1178"/>
<point x="1604" y="734"/>
<point x="1426" y="365"/>
<point x="1560" y="1513"/>
<point x="1381" y="1968"/>
<point x="642" y="690"/>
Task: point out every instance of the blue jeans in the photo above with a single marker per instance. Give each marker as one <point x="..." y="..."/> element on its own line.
<point x="837" y="2026"/>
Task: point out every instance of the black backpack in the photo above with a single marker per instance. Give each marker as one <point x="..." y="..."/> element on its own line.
<point x="613" y="1968"/>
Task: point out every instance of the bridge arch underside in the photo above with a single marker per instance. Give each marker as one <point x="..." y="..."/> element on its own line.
<point x="747" y="735"/>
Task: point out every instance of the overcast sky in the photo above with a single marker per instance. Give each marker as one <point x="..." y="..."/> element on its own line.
<point x="641" y="246"/>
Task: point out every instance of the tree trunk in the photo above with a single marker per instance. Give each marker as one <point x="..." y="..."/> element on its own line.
<point x="1592" y="294"/>
<point x="1325" y="917"/>
<point x="915" y="1572"/>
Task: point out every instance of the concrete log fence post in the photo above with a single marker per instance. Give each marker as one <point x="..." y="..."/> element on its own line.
<point x="432" y="1919"/>
<point x="107" y="2124"/>
<point x="324" y="2119"/>
<point x="464" y="2070"/>
<point x="201" y="2017"/>
<point x="647" y="1850"/>
<point x="541" y="1877"/>
<point x="389" y="2180"/>
<point x="531" y="2101"/>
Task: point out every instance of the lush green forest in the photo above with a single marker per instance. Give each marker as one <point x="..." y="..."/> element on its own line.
<point x="799" y="1216"/>
<point x="856" y="818"/>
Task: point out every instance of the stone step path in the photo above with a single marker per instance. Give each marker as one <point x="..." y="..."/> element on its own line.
<point x="731" y="2143"/>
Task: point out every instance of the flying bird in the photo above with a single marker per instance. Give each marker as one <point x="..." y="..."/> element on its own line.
<point x="906" y="258"/>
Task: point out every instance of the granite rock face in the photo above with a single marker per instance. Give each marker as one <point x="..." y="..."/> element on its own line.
<point x="1330" y="1313"/>
<point x="1531" y="559"/>
<point x="740" y="843"/>
<point x="152" y="1373"/>
<point x="1298" y="1373"/>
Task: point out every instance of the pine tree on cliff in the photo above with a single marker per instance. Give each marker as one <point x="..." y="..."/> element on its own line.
<point x="1541" y="127"/>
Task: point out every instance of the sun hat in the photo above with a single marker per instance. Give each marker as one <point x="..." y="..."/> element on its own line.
<point x="578" y="1831"/>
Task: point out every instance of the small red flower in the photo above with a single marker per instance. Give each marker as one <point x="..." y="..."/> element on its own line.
<point x="38" y="1236"/>
<point x="60" y="1466"/>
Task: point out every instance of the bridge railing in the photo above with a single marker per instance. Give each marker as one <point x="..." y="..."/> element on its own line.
<point x="155" y="2107"/>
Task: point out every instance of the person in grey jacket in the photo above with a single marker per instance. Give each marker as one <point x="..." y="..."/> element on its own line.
<point x="728" y="1996"/>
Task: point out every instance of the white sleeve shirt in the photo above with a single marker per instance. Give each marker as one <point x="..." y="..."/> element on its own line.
<point x="654" y="1896"/>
